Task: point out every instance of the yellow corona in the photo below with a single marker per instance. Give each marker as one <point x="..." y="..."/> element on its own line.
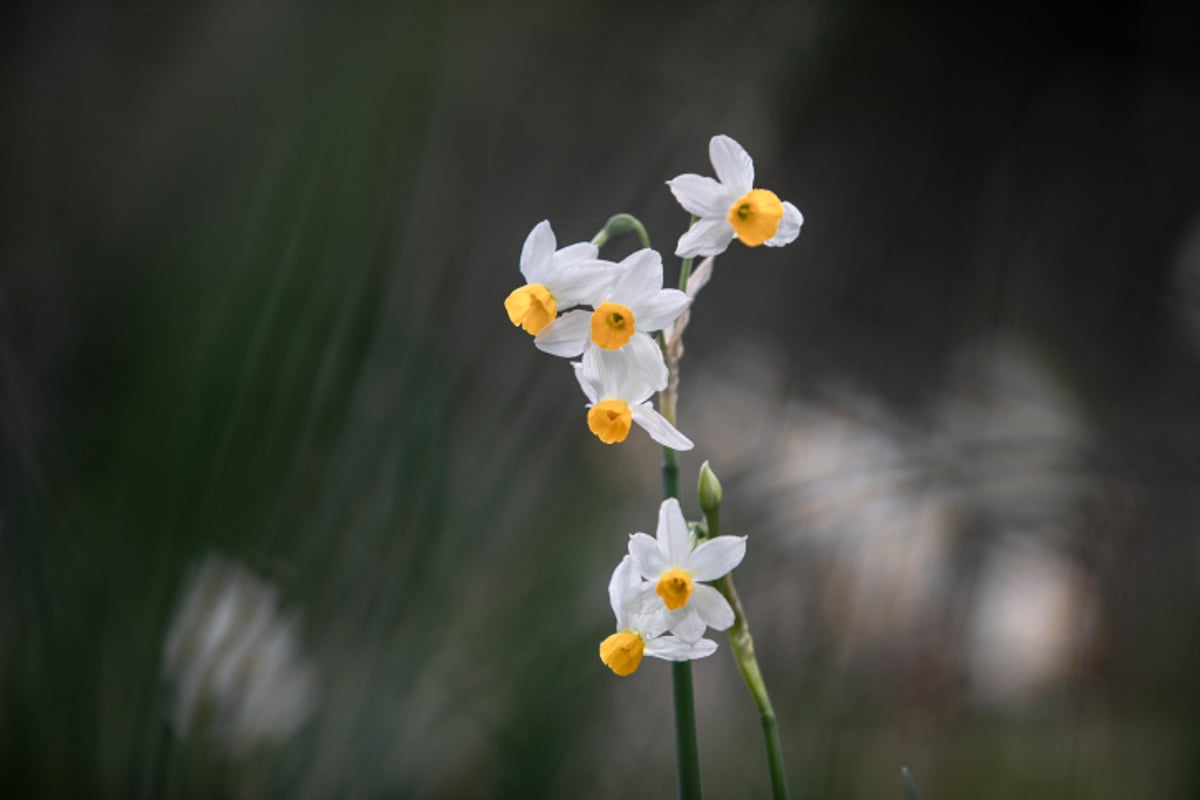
<point x="755" y="216"/>
<point x="531" y="307"/>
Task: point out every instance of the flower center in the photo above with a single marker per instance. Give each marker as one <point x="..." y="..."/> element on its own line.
<point x="755" y="216"/>
<point x="532" y="307"/>
<point x="674" y="587"/>
<point x="622" y="652"/>
<point x="610" y="420"/>
<point x="612" y="325"/>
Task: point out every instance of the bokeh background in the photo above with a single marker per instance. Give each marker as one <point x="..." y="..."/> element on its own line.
<point x="290" y="509"/>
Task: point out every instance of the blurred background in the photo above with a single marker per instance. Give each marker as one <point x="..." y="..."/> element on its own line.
<point x="290" y="509"/>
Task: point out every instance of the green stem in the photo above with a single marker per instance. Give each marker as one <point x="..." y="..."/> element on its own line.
<point x="618" y="224"/>
<point x="743" y="652"/>
<point x="687" y="752"/>
<point x="685" y="272"/>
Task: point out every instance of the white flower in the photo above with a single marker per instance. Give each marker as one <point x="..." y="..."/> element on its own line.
<point x="619" y="384"/>
<point x="234" y="662"/>
<point x="557" y="279"/>
<point x="674" y="571"/>
<point x="636" y="305"/>
<point x="731" y="206"/>
<point x="639" y="633"/>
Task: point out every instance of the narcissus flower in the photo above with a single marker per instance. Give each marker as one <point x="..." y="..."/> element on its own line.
<point x="636" y="305"/>
<point x="674" y="572"/>
<point x="639" y="633"/>
<point x="730" y="206"/>
<point x="618" y="384"/>
<point x="557" y="279"/>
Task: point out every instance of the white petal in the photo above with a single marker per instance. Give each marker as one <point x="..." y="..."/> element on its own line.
<point x="622" y="578"/>
<point x="711" y="606"/>
<point x="588" y="381"/>
<point x="659" y="429"/>
<point x="673" y="538"/>
<point x="642" y="609"/>
<point x="651" y="625"/>
<point x="716" y="557"/>
<point x="686" y="623"/>
<point x="609" y="369"/>
<point x="703" y="197"/>
<point x="641" y="276"/>
<point x="637" y="369"/>
<point x="582" y="283"/>
<point x="566" y="335"/>
<point x="644" y="601"/>
<point x="732" y="163"/>
<point x="647" y="556"/>
<point x="669" y="648"/>
<point x="706" y="237"/>
<point x="659" y="310"/>
<point x="580" y="251"/>
<point x="789" y="226"/>
<point x="537" y="252"/>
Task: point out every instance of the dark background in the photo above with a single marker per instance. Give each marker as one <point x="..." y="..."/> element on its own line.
<point x="252" y="262"/>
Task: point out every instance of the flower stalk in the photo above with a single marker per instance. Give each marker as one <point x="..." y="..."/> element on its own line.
<point x="687" y="751"/>
<point x="619" y="224"/>
<point x="742" y="642"/>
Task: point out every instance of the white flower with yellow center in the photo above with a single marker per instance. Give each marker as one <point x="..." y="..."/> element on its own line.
<point x="675" y="571"/>
<point x="637" y="305"/>
<point x="639" y="633"/>
<point x="730" y="206"/>
<point x="618" y="384"/>
<point x="557" y="279"/>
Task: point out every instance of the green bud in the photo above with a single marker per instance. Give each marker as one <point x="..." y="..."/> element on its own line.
<point x="709" y="490"/>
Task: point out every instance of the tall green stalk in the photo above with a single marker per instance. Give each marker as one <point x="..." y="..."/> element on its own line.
<point x="687" y="751"/>
<point x="743" y="652"/>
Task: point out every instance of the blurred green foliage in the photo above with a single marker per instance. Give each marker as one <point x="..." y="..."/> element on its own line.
<point x="253" y="260"/>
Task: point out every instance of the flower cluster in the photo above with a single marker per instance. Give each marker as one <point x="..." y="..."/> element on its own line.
<point x="577" y="305"/>
<point x="610" y="310"/>
<point x="661" y="606"/>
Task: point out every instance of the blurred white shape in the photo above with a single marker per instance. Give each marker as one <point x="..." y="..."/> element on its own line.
<point x="1016" y="438"/>
<point x="883" y="508"/>
<point x="1026" y="620"/>
<point x="839" y="470"/>
<point x="234" y="661"/>
<point x="860" y="494"/>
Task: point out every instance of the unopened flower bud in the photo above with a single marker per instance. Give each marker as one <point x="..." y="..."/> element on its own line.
<point x="709" y="490"/>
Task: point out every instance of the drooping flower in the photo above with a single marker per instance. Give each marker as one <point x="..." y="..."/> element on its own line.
<point x="640" y="633"/>
<point x="636" y="305"/>
<point x="556" y="279"/>
<point x="618" y="384"/>
<point x="730" y="206"/>
<point x="674" y="572"/>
